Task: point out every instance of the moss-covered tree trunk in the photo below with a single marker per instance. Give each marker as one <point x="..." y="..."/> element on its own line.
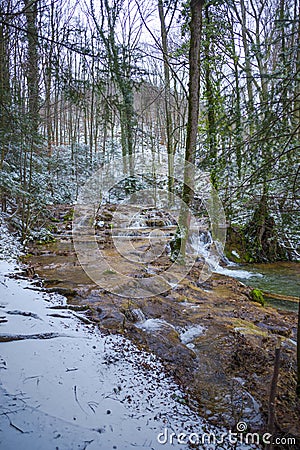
<point x="210" y="99"/>
<point x="261" y="239"/>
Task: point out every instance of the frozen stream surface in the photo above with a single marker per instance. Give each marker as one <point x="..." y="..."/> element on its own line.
<point x="64" y="385"/>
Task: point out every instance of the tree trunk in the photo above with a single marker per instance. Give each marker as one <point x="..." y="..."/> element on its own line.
<point x="5" y="101"/>
<point x="169" y="125"/>
<point x="5" y="95"/>
<point x="297" y="70"/>
<point x="247" y="59"/>
<point x="298" y="354"/>
<point x="31" y="14"/>
<point x="211" y="120"/>
<point x="180" y="240"/>
<point x="48" y="81"/>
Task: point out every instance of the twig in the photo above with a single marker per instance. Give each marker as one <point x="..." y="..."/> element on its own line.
<point x="77" y="401"/>
<point x="14" y="426"/>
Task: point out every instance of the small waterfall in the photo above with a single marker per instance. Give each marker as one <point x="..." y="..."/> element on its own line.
<point x="211" y="252"/>
<point x="138" y="222"/>
<point x="154" y="325"/>
<point x="203" y="246"/>
<point x="188" y="334"/>
<point x="138" y="315"/>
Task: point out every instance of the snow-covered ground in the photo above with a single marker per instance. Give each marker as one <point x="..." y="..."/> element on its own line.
<point x="64" y="385"/>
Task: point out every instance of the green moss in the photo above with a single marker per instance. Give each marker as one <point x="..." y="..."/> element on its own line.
<point x="108" y="272"/>
<point x="248" y="328"/>
<point x="52" y="228"/>
<point x="69" y="215"/>
<point x="248" y="258"/>
<point x="257" y="296"/>
<point x="25" y="257"/>
<point x="47" y="240"/>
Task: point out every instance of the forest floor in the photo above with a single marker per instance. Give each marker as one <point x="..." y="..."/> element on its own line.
<point x="211" y="338"/>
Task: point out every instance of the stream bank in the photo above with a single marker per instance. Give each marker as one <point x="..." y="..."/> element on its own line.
<point x="216" y="343"/>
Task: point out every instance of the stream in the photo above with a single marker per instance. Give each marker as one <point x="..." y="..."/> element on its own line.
<point x="281" y="278"/>
<point x="274" y="279"/>
<point x="209" y="336"/>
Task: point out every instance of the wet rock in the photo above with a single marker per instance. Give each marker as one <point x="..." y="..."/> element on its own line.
<point x="155" y="222"/>
<point x="110" y="319"/>
<point x="277" y="329"/>
<point x="133" y="314"/>
<point x="67" y="292"/>
<point x="168" y="347"/>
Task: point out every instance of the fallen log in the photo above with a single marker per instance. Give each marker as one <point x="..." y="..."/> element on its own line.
<point x="288" y="298"/>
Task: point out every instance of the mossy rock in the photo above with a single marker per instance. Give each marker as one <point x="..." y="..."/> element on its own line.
<point x="257" y="296"/>
<point x="261" y="235"/>
<point x="24" y="258"/>
<point x="235" y="247"/>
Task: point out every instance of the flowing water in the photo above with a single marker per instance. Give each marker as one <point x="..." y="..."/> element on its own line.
<point x="274" y="279"/>
<point x="281" y="278"/>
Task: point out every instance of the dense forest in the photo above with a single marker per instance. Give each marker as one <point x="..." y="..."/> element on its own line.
<point x="149" y="180"/>
<point x="82" y="82"/>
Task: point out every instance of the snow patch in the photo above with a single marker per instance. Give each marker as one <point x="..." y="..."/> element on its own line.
<point x="234" y="253"/>
<point x="107" y="394"/>
<point x="153" y="324"/>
